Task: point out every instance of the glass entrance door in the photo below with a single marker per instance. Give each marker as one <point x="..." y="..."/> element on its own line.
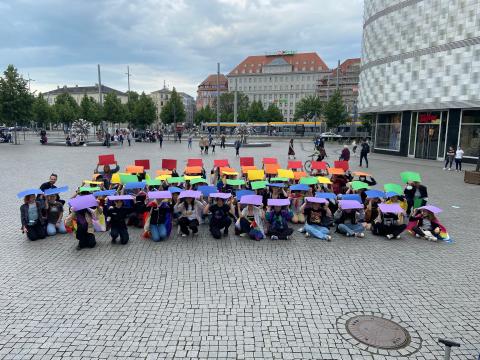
<point x="427" y="141"/>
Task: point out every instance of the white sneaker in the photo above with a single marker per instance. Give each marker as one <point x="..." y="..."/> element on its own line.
<point x="307" y="234"/>
<point x="389" y="236"/>
<point x="288" y="237"/>
<point x="243" y="234"/>
<point x="449" y="169"/>
<point x="444" y="168"/>
<point x="329" y="238"/>
<point x="274" y="237"/>
<point x="360" y="235"/>
<point x="302" y="230"/>
<point x="184" y="235"/>
<point x="398" y="237"/>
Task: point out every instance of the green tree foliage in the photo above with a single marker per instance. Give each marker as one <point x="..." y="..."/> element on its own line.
<point x="256" y="112"/>
<point x="335" y="111"/>
<point x="367" y="121"/>
<point x="308" y="107"/>
<point x="273" y="113"/>
<point x="173" y="111"/>
<point x="145" y="112"/>
<point x="113" y="110"/>
<point x="42" y="113"/>
<point x="66" y="109"/>
<point x="90" y="110"/>
<point x="227" y="106"/>
<point x="15" y="99"/>
<point x="205" y="115"/>
<point x="130" y="107"/>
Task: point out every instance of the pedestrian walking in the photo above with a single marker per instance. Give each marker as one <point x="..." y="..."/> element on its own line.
<point x="291" y="150"/>
<point x="449" y="158"/>
<point x="190" y="141"/>
<point x="213" y="144"/>
<point x="120" y="139"/>
<point x="354" y="148"/>
<point x="129" y="138"/>
<point x="365" y="149"/>
<point x="458" y="158"/>
<point x="205" y="145"/>
<point x="345" y="154"/>
<point x="160" y="139"/>
<point x="222" y="142"/>
<point x="238" y="144"/>
<point x="200" y="144"/>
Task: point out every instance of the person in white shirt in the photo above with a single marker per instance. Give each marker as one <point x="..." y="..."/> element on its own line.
<point x="458" y="158"/>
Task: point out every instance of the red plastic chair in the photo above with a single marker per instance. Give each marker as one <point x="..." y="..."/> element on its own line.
<point x="169" y="164"/>
<point x="221" y="163"/>
<point x="145" y="163"/>
<point x="195" y="162"/>
<point x="342" y="164"/>
<point x="270" y="161"/>
<point x="319" y="165"/>
<point x="247" y="161"/>
<point x="294" y="164"/>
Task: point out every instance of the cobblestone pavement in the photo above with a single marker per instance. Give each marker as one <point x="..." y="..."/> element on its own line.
<point x="230" y="298"/>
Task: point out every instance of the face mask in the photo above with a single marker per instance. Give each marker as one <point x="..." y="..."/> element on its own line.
<point x="409" y="187"/>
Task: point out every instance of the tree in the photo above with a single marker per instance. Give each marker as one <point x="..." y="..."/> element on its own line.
<point x="367" y="121"/>
<point x="335" y="111"/>
<point x="227" y="106"/>
<point x="66" y="109"/>
<point x="145" y="111"/>
<point x="42" y="113"/>
<point x="256" y="112"/>
<point x="273" y="113"/>
<point x="90" y="110"/>
<point x="113" y="110"/>
<point x="15" y="99"/>
<point x="205" y="114"/>
<point x="130" y="107"/>
<point x="173" y="111"/>
<point x="308" y="108"/>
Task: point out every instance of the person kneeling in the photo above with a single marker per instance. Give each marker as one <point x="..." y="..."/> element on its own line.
<point x="159" y="221"/>
<point x="116" y="217"/>
<point x="278" y="219"/>
<point x="220" y="219"/>
<point x="54" y="216"/>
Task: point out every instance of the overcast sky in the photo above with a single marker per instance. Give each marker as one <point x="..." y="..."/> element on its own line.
<point x="60" y="42"/>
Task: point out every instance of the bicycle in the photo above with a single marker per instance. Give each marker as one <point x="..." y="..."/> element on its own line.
<point x="307" y="165"/>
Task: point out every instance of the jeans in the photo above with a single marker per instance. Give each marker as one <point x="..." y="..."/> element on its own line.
<point x="122" y="231"/>
<point x="448" y="161"/>
<point x="52" y="229"/>
<point x="158" y="231"/>
<point x="317" y="231"/>
<point x="350" y="229"/>
<point x="458" y="164"/>
<point x="363" y="156"/>
<point x="244" y="227"/>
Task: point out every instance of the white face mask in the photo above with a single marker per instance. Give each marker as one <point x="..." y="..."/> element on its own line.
<point x="409" y="187"/>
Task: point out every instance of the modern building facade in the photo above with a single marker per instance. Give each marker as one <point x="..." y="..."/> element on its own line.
<point x="420" y="76"/>
<point x="345" y="77"/>
<point x="207" y="90"/>
<point x="282" y="78"/>
<point x="77" y="92"/>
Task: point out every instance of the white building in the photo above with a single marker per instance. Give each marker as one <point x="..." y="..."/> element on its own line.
<point x="162" y="96"/>
<point x="420" y="76"/>
<point x="77" y="92"/>
<point x="283" y="78"/>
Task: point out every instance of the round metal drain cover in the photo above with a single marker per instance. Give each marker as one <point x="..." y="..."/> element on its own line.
<point x="378" y="332"/>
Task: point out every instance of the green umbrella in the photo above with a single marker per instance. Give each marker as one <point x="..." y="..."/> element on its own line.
<point x="153" y="182"/>
<point x="127" y="178"/>
<point x="279" y="179"/>
<point x="357" y="185"/>
<point x="410" y="176"/>
<point x="89" y="189"/>
<point x="176" y="180"/>
<point x="258" y="185"/>
<point x="198" y="181"/>
<point x="235" y="182"/>
<point x="397" y="189"/>
<point x="309" y="180"/>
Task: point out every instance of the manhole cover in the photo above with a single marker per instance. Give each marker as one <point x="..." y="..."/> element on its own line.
<point x="378" y="332"/>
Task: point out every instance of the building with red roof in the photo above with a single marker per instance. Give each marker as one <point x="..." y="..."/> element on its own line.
<point x="207" y="90"/>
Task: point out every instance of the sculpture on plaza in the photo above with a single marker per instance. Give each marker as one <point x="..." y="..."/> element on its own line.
<point x="243" y="131"/>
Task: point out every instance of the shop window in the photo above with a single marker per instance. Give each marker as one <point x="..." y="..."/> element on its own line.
<point x="470" y="132"/>
<point x="388" y="131"/>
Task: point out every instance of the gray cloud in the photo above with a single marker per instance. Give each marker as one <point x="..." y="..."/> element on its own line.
<point x="60" y="42"/>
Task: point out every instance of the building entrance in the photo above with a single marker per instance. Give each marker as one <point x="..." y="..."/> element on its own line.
<point x="427" y="141"/>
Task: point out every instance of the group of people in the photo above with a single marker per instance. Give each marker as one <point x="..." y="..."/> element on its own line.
<point x="454" y="155"/>
<point x="258" y="205"/>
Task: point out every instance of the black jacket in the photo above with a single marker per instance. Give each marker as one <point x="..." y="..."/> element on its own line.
<point x="24" y="213"/>
<point x="410" y="194"/>
<point x="118" y="216"/>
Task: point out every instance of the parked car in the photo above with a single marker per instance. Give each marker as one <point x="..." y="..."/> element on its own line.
<point x="330" y="135"/>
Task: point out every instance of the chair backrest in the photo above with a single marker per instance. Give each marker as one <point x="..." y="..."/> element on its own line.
<point x="221" y="163"/>
<point x="247" y="161"/>
<point x="195" y="162"/>
<point x="342" y="164"/>
<point x="169" y="164"/>
<point x="145" y="163"/>
<point x="294" y="164"/>
<point x="269" y="160"/>
<point x="319" y="165"/>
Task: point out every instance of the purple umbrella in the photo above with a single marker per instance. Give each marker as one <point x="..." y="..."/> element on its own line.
<point x="390" y="208"/>
<point x="316" y="200"/>
<point x="190" y="194"/>
<point x="431" y="208"/>
<point x="224" y="196"/>
<point x="251" y="200"/>
<point x="159" y="195"/>
<point x="278" y="202"/>
<point x="350" y="204"/>
<point x="120" y="197"/>
<point x="82" y="202"/>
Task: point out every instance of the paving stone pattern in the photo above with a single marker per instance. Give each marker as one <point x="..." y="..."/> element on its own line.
<point x="189" y="298"/>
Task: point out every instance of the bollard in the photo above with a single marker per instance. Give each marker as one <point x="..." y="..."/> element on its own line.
<point x="448" y="347"/>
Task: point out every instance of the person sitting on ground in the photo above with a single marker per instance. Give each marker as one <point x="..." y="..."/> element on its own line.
<point x="32" y="216"/>
<point x="424" y="224"/>
<point x="277" y="219"/>
<point x="297" y="201"/>
<point x="388" y="225"/>
<point x="318" y="218"/>
<point x="221" y="213"/>
<point x="349" y="222"/>
<point x="160" y="217"/>
<point x="251" y="222"/>
<point x="54" y="210"/>
<point x="190" y="210"/>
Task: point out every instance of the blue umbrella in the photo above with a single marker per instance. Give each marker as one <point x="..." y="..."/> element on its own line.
<point x="55" y="191"/>
<point x="29" y="192"/>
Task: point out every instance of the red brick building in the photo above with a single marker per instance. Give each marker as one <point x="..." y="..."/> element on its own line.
<point x="207" y="90"/>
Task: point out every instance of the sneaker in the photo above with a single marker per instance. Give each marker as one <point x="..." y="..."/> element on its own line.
<point x="431" y="238"/>
<point x="445" y="169"/>
<point x="449" y="169"/>
<point x="417" y="236"/>
<point x="348" y="235"/>
<point x="307" y="234"/>
<point x="288" y="237"/>
<point x="302" y="230"/>
<point x="274" y="237"/>
<point x="389" y="236"/>
<point x="243" y="235"/>
<point x="398" y="237"/>
<point x="184" y="235"/>
<point x="360" y="235"/>
<point x="329" y="238"/>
